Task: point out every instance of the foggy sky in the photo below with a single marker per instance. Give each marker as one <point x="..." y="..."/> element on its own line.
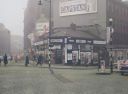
<point x="12" y="15"/>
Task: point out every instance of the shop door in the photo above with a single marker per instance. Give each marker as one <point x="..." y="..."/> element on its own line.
<point x="58" y="56"/>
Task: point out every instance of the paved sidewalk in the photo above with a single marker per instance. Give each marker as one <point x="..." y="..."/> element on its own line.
<point x="18" y="79"/>
<point x="61" y="66"/>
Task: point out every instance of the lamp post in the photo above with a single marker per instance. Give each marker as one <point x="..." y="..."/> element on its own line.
<point x="49" y="33"/>
<point x="111" y="31"/>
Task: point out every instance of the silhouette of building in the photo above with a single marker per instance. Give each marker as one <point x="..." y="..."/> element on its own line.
<point x="4" y="40"/>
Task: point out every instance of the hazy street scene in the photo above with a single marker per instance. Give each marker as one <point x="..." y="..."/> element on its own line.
<point x="63" y="46"/>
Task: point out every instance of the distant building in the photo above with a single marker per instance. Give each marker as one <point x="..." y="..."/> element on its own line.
<point x="4" y="40"/>
<point x="17" y="44"/>
<point x="31" y="15"/>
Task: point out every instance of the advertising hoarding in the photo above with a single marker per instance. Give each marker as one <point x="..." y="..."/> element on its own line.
<point x="42" y="27"/>
<point x="75" y="7"/>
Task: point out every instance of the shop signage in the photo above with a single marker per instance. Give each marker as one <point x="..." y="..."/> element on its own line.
<point x="57" y="40"/>
<point x="80" y="41"/>
<point x="71" y="41"/>
<point x="89" y="41"/>
<point x="38" y="43"/>
<point x="99" y="42"/>
<point x="74" y="7"/>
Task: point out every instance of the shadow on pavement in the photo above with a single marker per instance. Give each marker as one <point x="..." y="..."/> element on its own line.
<point x="60" y="77"/>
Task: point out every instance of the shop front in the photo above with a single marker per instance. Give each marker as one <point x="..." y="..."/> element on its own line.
<point x="74" y="46"/>
<point x="73" y="51"/>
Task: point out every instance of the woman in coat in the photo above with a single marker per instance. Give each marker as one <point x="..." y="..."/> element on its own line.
<point x="26" y="61"/>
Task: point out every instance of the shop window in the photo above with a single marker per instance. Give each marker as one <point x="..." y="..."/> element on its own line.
<point x="88" y="48"/>
<point x="75" y="47"/>
<point x="82" y="47"/>
<point x="69" y="46"/>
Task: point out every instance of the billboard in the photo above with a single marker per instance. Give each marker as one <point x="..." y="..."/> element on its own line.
<point x="42" y="27"/>
<point x="75" y="7"/>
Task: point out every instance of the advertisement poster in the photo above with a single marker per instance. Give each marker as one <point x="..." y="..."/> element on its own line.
<point x="42" y="28"/>
<point x="74" y="7"/>
<point x="70" y="56"/>
<point x="75" y="57"/>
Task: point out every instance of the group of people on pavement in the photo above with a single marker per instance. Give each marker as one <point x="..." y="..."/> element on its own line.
<point x="39" y="59"/>
<point x="36" y="58"/>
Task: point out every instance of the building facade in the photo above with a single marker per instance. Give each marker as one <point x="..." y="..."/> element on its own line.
<point x="31" y="16"/>
<point x="80" y="27"/>
<point x="118" y="11"/>
<point x="4" y="40"/>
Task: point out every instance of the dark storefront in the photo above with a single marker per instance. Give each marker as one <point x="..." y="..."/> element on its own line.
<point x="75" y="46"/>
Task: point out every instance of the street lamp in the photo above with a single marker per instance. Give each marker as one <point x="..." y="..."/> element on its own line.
<point x="111" y="31"/>
<point x="49" y="33"/>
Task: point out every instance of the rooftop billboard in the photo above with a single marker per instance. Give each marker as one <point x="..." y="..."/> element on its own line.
<point x="75" y="7"/>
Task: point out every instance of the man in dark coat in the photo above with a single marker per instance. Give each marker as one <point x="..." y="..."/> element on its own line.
<point x="5" y="60"/>
<point x="0" y="61"/>
<point x="40" y="60"/>
<point x="26" y="61"/>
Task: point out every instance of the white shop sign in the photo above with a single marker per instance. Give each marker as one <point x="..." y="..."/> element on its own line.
<point x="99" y="42"/>
<point x="74" y="7"/>
<point x="80" y="41"/>
<point x="56" y="40"/>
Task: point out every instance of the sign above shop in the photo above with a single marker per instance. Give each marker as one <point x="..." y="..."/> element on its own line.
<point x="75" y="7"/>
<point x="80" y="41"/>
<point x="99" y="42"/>
<point x="57" y="40"/>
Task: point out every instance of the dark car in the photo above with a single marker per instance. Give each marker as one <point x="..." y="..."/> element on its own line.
<point x="124" y="67"/>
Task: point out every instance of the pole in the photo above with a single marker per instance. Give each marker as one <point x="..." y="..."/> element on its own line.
<point x="49" y="33"/>
<point x="49" y="37"/>
<point x="111" y="63"/>
<point x="78" y="54"/>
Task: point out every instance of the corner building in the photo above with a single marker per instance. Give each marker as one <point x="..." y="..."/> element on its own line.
<point x="80" y="27"/>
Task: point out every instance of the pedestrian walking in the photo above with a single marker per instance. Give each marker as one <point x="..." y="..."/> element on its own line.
<point x="34" y="59"/>
<point x="0" y="61"/>
<point x="26" y="61"/>
<point x="5" y="60"/>
<point x="16" y="59"/>
<point x="40" y="60"/>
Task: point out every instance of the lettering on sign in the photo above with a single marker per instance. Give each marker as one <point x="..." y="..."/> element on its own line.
<point x="74" y="7"/>
<point x="99" y="42"/>
<point x="80" y="41"/>
<point x="71" y="40"/>
<point x="89" y="41"/>
<point x="56" y="40"/>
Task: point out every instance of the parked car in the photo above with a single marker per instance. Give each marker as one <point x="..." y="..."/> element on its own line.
<point x="124" y="67"/>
